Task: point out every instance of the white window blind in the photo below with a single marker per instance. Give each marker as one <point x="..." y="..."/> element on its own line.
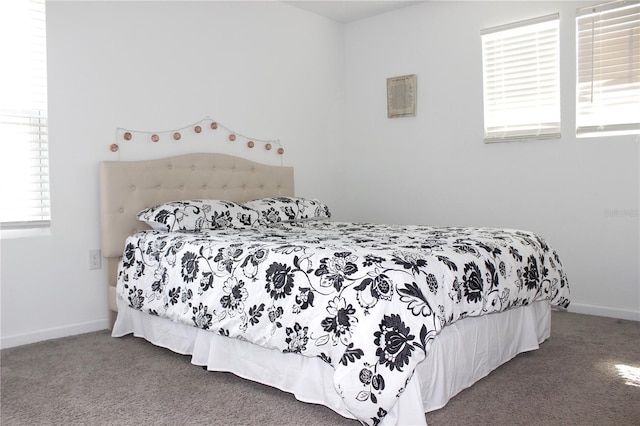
<point x="24" y="169"/>
<point x="608" y="70"/>
<point x="521" y="80"/>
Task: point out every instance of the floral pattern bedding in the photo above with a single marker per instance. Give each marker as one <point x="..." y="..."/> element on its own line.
<point x="366" y="298"/>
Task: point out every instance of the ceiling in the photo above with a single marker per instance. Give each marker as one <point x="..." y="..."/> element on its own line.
<point x="350" y="10"/>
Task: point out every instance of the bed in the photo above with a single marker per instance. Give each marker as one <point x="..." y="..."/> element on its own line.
<point x="380" y="323"/>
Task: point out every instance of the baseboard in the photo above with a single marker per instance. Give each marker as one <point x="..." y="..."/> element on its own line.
<point x="103" y="324"/>
<point x="53" y="333"/>
<point x="603" y="311"/>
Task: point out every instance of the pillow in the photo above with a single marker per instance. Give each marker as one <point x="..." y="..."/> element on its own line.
<point x="195" y="215"/>
<point x="288" y="209"/>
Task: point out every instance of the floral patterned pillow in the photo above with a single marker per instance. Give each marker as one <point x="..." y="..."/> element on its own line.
<point x="288" y="210"/>
<point x="195" y="215"/>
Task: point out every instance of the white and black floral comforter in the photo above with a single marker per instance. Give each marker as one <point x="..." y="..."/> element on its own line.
<point x="367" y="299"/>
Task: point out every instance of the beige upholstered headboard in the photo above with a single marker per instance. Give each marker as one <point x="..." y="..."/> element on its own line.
<point x="126" y="187"/>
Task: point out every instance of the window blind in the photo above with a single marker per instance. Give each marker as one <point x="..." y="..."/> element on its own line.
<point x="521" y="80"/>
<point x="608" y="69"/>
<point x="24" y="168"/>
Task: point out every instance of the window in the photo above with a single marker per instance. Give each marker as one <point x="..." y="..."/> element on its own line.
<point x="521" y="80"/>
<point x="24" y="170"/>
<point x="608" y="69"/>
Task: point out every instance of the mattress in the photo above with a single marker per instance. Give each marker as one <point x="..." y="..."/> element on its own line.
<point x="367" y="300"/>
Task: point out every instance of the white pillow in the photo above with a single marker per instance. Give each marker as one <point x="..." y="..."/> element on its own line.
<point x="289" y="209"/>
<point x="195" y="215"/>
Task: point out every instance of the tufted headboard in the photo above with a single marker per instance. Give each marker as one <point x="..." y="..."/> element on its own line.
<point x="126" y="187"/>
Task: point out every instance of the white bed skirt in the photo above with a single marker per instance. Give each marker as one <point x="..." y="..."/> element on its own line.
<point x="460" y="355"/>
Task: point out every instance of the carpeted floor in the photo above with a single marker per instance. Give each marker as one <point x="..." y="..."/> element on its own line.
<point x="94" y="379"/>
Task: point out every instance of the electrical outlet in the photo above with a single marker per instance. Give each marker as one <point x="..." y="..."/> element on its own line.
<point x="95" y="259"/>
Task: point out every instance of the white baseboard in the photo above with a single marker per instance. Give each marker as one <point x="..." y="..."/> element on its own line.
<point x="53" y="333"/>
<point x="603" y="311"/>
<point x="103" y="324"/>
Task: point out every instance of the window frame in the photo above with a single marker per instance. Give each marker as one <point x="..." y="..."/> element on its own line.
<point x="502" y="120"/>
<point x="604" y="108"/>
<point x="29" y="207"/>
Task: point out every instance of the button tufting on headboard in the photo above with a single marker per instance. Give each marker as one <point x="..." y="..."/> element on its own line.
<point x="219" y="176"/>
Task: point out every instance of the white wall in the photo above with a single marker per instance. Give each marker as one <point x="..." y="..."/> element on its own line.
<point x="582" y="195"/>
<point x="263" y="69"/>
<point x="270" y="70"/>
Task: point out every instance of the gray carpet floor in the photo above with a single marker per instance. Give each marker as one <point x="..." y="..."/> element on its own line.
<point x="94" y="379"/>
